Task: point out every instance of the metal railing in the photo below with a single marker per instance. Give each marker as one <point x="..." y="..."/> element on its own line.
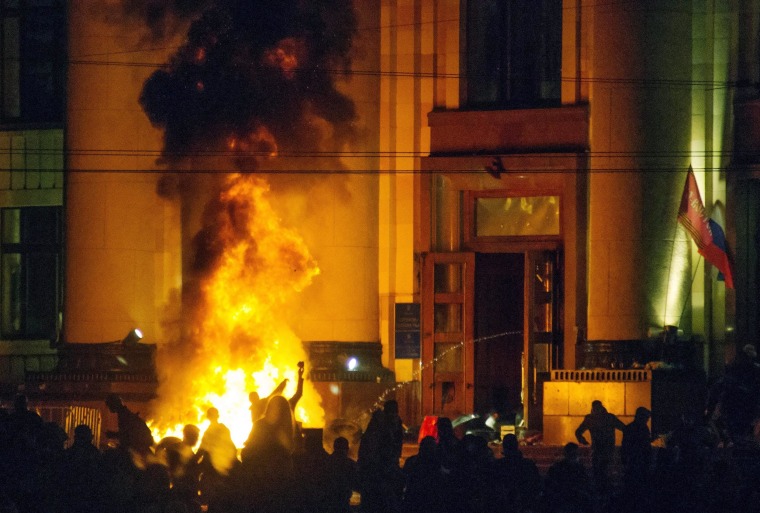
<point x="602" y="375"/>
<point x="69" y="417"/>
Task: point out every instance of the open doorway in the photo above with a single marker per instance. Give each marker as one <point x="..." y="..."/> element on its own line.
<point x="498" y="330"/>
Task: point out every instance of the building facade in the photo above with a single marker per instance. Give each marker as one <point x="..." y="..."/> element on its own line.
<point x="32" y="161"/>
<point x="550" y="147"/>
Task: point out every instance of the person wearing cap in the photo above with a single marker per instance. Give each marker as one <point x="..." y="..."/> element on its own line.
<point x="636" y="449"/>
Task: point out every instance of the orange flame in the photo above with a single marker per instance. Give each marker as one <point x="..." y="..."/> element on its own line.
<point x="259" y="140"/>
<point x="200" y="55"/>
<point x="242" y="342"/>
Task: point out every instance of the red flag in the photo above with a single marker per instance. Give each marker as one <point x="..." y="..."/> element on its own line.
<point x="692" y="216"/>
<point x="692" y="213"/>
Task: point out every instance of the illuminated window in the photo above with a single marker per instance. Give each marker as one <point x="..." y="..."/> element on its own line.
<point x="517" y="216"/>
<point x="30" y="258"/>
<point x="513" y="53"/>
<point x="32" y="65"/>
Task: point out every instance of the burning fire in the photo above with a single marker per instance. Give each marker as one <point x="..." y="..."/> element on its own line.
<point x="257" y="82"/>
<point x="239" y="336"/>
<point x="258" y="140"/>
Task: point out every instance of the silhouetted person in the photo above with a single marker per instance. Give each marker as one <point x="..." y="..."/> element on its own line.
<point x="714" y="413"/>
<point x="82" y="447"/>
<point x="678" y="482"/>
<point x="601" y="425"/>
<point x="265" y="481"/>
<point x="183" y="463"/>
<point x="24" y="427"/>
<point x="738" y="400"/>
<point x="133" y="433"/>
<point x="473" y="484"/>
<point x="216" y="458"/>
<point x="518" y="476"/>
<point x="493" y="422"/>
<point x="51" y="439"/>
<point x="47" y="460"/>
<point x="191" y="435"/>
<point x="636" y="449"/>
<point x="276" y="427"/>
<point x="566" y="486"/>
<point x="175" y="452"/>
<point x="447" y="444"/>
<point x="381" y="478"/>
<point x="690" y="443"/>
<point x="153" y="489"/>
<point x="217" y="444"/>
<point x="21" y="417"/>
<point x="293" y="401"/>
<point x="395" y="425"/>
<point x="424" y="486"/>
<point x="81" y="474"/>
<point x="344" y="478"/>
<point x="311" y="473"/>
<point x="259" y="405"/>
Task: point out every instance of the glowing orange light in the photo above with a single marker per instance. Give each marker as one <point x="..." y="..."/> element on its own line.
<point x="200" y="55"/>
<point x="243" y="343"/>
<point x="285" y="56"/>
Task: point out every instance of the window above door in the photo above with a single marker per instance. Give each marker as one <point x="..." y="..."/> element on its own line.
<point x="498" y="216"/>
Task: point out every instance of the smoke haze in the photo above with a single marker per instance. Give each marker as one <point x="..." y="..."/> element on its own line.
<point x="253" y="77"/>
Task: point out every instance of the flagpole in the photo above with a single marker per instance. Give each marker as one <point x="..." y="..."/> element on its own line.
<point x="691" y="284"/>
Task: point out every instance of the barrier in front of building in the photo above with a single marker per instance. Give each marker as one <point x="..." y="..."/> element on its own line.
<point x="568" y="396"/>
<point x="69" y="417"/>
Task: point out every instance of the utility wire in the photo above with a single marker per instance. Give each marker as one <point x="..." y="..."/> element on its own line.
<point x="367" y="171"/>
<point x="259" y="161"/>
<point x="541" y="154"/>
<point x="649" y="82"/>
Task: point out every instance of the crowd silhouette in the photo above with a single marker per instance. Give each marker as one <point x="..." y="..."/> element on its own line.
<point x="284" y="469"/>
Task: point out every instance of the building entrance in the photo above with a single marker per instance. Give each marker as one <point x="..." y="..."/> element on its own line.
<point x="490" y="331"/>
<point x="499" y="333"/>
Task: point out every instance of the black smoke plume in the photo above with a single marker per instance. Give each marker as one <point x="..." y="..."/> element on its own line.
<point x="252" y="79"/>
<point x="162" y="17"/>
<point x="253" y="76"/>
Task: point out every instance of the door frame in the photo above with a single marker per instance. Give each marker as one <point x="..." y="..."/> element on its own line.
<point x="463" y="299"/>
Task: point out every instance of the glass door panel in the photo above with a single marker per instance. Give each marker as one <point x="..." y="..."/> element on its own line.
<point x="447" y="331"/>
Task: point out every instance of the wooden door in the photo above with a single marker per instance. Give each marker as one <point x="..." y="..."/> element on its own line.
<point x="447" y="311"/>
